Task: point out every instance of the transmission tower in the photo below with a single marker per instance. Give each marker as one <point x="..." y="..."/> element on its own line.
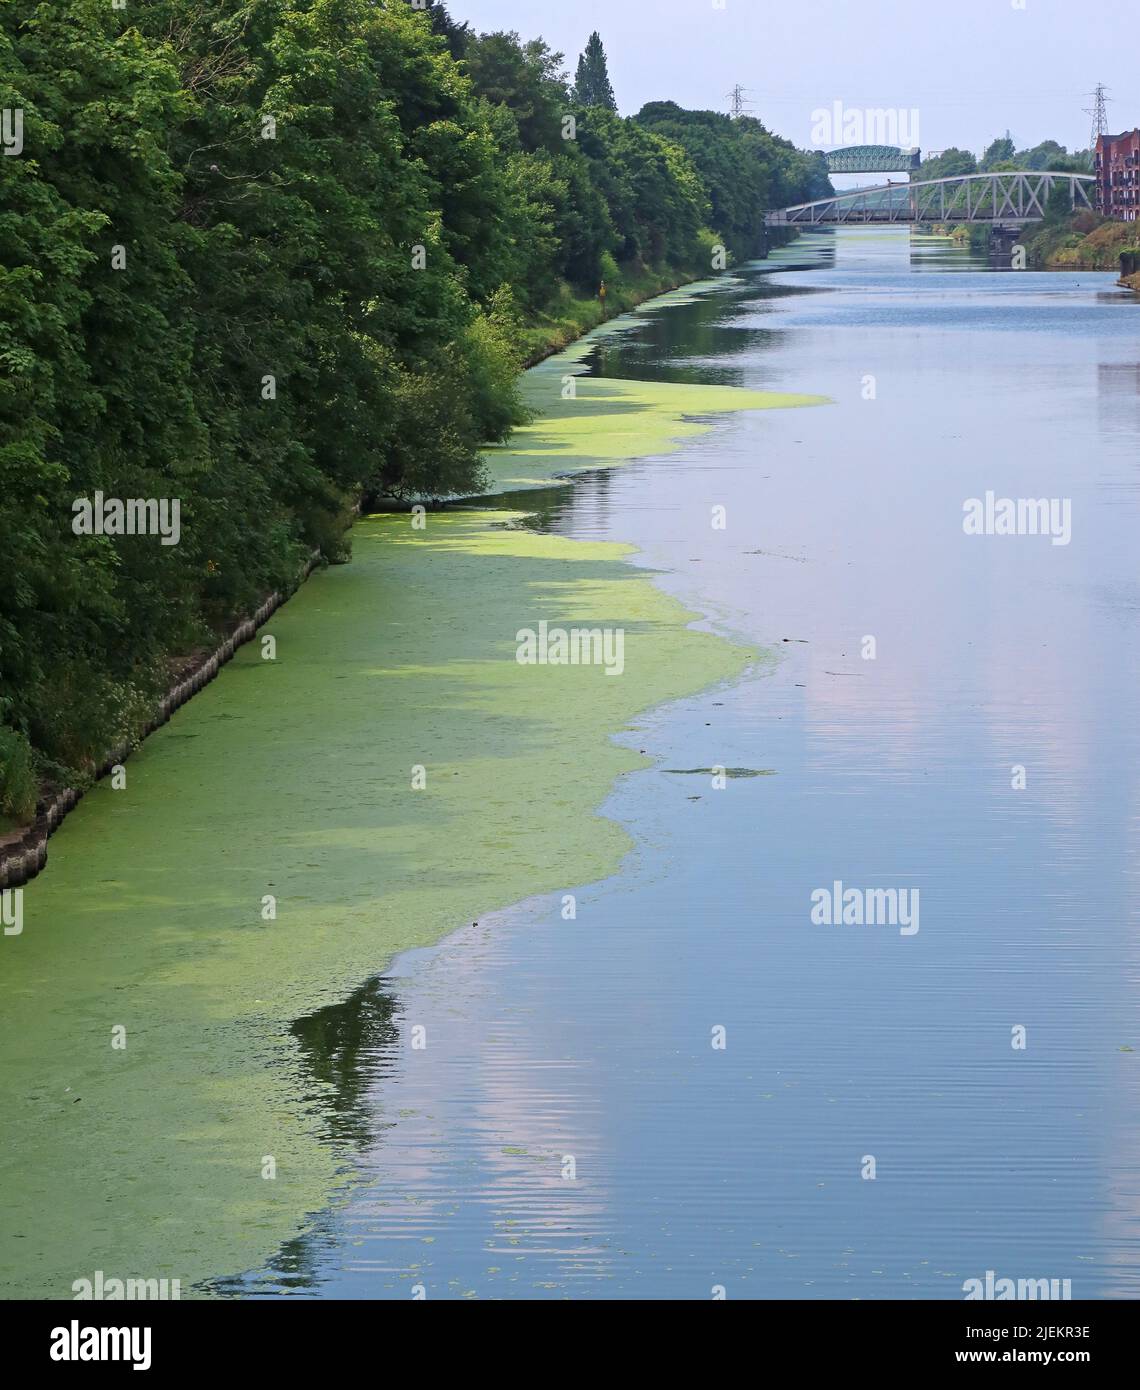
<point x="1098" y="112"/>
<point x="739" y="104"/>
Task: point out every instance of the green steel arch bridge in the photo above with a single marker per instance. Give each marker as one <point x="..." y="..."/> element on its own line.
<point x="1012" y="197"/>
<point x="872" y="159"/>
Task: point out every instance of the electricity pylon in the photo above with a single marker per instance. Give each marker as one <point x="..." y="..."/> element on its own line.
<point x="1099" y="113"/>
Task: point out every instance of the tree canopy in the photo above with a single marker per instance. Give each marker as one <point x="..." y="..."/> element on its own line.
<point x="1048" y="155"/>
<point x="948" y="164"/>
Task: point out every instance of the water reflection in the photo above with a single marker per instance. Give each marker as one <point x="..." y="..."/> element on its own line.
<point x="696" y="342"/>
<point x="344" y="1050"/>
<point x="1118" y="406"/>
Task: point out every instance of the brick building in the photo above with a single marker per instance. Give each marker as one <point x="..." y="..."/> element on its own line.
<point x="1117" y="167"/>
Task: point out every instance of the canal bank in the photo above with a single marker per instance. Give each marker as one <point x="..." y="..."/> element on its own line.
<point x="391" y="774"/>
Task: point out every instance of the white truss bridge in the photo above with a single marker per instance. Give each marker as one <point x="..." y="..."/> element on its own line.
<point x="1019" y="196"/>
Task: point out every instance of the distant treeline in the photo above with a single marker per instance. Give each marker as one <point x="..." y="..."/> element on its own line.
<point x="267" y="258"/>
<point x="1002" y="155"/>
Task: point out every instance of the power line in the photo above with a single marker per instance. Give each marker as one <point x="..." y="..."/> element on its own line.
<point x="958" y="96"/>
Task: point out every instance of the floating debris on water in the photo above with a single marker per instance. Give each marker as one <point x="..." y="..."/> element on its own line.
<point x="723" y="771"/>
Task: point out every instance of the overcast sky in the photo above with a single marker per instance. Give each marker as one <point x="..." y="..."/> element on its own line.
<point x="970" y="68"/>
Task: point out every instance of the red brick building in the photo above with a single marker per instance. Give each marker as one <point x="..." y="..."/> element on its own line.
<point x="1117" y="166"/>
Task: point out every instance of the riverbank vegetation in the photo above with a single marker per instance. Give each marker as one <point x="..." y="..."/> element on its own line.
<point x="1063" y="240"/>
<point x="269" y="257"/>
<point x="1082" y="241"/>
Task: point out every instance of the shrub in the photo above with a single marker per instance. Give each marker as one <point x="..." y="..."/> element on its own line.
<point x="19" y="786"/>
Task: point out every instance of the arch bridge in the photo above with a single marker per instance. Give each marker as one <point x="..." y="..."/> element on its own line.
<point x="872" y="159"/>
<point x="1015" y="196"/>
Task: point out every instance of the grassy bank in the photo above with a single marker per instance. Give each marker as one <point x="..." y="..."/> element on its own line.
<point x="571" y="315"/>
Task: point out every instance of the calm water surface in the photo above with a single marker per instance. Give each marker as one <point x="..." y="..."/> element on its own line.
<point x="591" y="1039"/>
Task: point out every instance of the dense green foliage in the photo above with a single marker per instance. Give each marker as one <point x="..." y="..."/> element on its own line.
<point x="998" y="152"/>
<point x="268" y="257"/>
<point x="946" y="165"/>
<point x="1001" y="154"/>
<point x="745" y="169"/>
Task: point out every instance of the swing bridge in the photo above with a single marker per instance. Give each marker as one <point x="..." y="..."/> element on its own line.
<point x="1014" y="196"/>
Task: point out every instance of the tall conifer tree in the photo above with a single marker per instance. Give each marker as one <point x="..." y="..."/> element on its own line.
<point x="592" y="80"/>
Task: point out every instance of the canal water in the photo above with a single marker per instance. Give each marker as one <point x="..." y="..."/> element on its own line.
<point x="687" y="1086"/>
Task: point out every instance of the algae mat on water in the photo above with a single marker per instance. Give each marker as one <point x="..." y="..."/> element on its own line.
<point x="293" y="778"/>
<point x="606" y="421"/>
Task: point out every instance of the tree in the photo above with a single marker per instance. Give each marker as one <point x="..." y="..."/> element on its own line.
<point x="526" y="78"/>
<point x="456" y="34"/>
<point x="998" y="152"/>
<point x="1041" y="156"/>
<point x="949" y="164"/>
<point x="592" y="80"/>
<point x="1059" y="204"/>
<point x="1049" y="155"/>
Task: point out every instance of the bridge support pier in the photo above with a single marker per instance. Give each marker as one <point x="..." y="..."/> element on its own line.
<point x="1004" y="236"/>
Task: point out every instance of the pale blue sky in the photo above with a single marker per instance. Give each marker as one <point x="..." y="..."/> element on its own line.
<point x="970" y="67"/>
